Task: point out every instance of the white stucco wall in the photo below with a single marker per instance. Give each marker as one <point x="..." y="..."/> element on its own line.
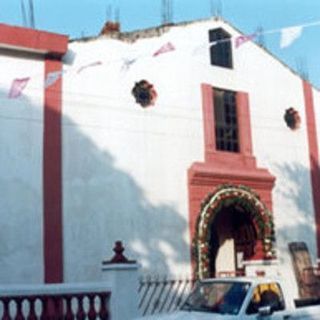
<point x="21" y="137"/>
<point x="128" y="181"/>
<point x="125" y="167"/>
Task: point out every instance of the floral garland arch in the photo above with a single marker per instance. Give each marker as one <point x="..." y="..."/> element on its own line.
<point x="231" y="195"/>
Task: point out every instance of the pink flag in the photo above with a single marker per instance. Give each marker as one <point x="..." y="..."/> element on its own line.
<point x="93" y="64"/>
<point x="17" y="87"/>
<point x="243" y="39"/>
<point x="165" y="48"/>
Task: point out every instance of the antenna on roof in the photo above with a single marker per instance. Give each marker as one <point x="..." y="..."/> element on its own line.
<point x="170" y="9"/>
<point x="23" y="13"/>
<point x="167" y="12"/>
<point x="260" y="39"/>
<point x="216" y="8"/>
<point x="220" y="7"/>
<point x="117" y="15"/>
<point x="212" y="8"/>
<point x="109" y="12"/>
<point x="302" y="68"/>
<point x="164" y="11"/>
<point x="31" y="14"/>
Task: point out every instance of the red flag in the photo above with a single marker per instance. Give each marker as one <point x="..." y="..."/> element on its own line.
<point x="17" y="87"/>
<point x="93" y="64"/>
<point x="165" y="48"/>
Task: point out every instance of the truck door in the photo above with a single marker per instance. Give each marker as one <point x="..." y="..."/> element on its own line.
<point x="267" y="295"/>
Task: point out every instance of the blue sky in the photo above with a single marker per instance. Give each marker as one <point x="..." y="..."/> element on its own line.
<point x="86" y="17"/>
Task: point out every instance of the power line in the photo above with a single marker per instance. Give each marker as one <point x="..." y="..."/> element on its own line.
<point x="114" y="103"/>
<point x="133" y="113"/>
<point x="72" y="123"/>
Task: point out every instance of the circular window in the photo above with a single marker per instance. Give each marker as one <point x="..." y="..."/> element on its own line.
<point x="292" y="118"/>
<point x="144" y="93"/>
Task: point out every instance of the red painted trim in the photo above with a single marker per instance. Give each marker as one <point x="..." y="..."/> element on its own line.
<point x="33" y="40"/>
<point x="52" y="178"/>
<point x="53" y="46"/>
<point x="221" y="158"/>
<point x="244" y="124"/>
<point x="208" y="119"/>
<point x="226" y="167"/>
<point x="313" y="155"/>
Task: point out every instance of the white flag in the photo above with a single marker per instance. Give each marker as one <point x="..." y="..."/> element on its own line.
<point x="289" y="35"/>
<point x="52" y="77"/>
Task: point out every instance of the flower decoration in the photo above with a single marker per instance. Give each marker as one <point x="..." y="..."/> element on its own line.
<point x="292" y="119"/>
<point x="225" y="195"/>
<point x="144" y="93"/>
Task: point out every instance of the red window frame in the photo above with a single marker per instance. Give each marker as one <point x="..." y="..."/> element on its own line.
<point x="244" y="127"/>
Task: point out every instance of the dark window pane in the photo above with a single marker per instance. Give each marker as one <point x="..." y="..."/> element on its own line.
<point x="221" y="52"/>
<point x="235" y="135"/>
<point x="226" y="125"/>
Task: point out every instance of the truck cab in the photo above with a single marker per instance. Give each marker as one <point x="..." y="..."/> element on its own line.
<point x="241" y="298"/>
<point x="238" y="298"/>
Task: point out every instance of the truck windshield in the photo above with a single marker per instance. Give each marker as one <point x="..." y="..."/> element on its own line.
<point x="223" y="297"/>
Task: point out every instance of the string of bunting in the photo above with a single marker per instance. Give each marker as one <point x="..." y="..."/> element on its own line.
<point x="288" y="36"/>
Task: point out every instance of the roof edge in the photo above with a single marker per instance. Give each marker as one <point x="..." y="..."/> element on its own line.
<point x="30" y="40"/>
<point x="132" y="36"/>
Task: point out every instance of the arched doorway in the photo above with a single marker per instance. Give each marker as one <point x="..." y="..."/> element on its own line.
<point x="232" y="239"/>
<point x="233" y="226"/>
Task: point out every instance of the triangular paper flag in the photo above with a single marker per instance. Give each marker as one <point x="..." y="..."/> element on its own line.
<point x="93" y="64"/>
<point x="243" y="39"/>
<point x="52" y="77"/>
<point x="127" y="63"/>
<point x="165" y="48"/>
<point x="17" y="87"/>
<point x="289" y="35"/>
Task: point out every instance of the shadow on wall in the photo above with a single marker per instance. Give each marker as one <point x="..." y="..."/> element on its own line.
<point x="102" y="204"/>
<point x="21" y="191"/>
<point x="295" y="191"/>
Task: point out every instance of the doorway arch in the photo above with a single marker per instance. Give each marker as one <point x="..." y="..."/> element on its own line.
<point x="245" y="207"/>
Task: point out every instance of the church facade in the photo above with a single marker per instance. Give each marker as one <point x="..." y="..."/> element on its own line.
<point x="200" y="154"/>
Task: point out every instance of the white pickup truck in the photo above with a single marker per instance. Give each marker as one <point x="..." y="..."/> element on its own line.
<point x="242" y="298"/>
